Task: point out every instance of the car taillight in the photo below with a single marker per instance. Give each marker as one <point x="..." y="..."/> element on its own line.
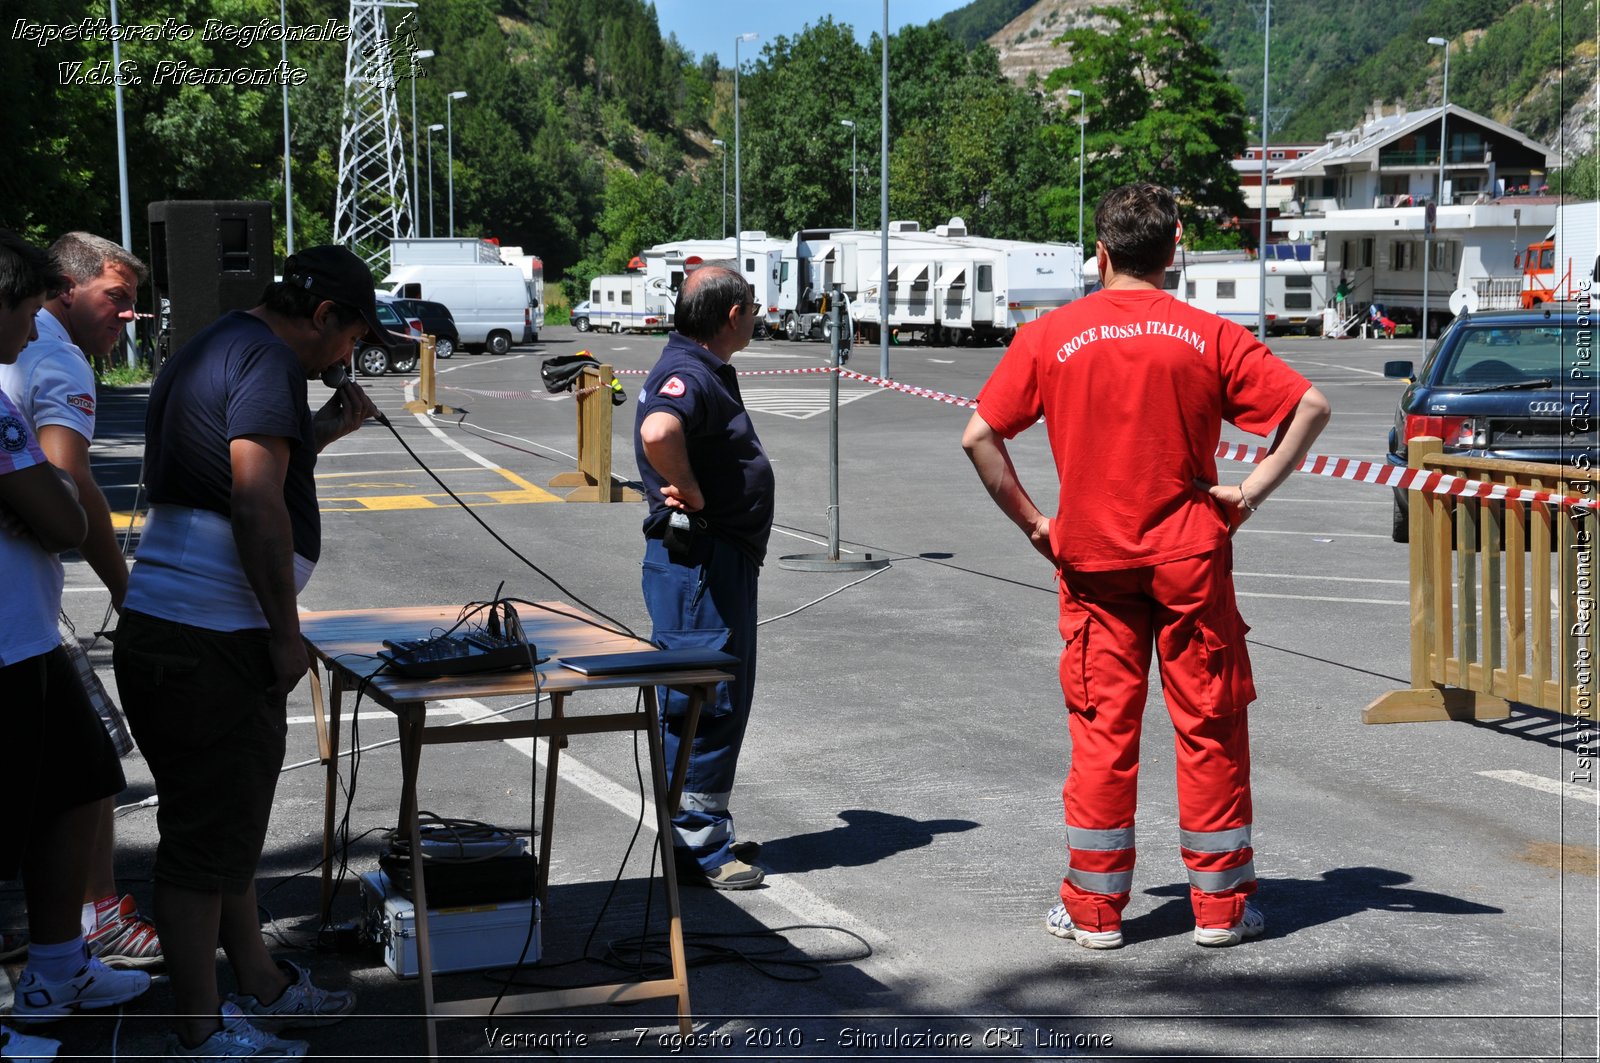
<point x="416" y="326"/>
<point x="1455" y="431"/>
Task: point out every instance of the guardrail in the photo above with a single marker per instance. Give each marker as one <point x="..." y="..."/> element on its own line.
<point x="1502" y="596"/>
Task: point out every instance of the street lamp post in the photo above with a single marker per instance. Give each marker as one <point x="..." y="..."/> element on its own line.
<point x="1427" y="230"/>
<point x="738" y="205"/>
<point x="1083" y="120"/>
<point x="416" y="185"/>
<point x="852" y="125"/>
<point x="450" y="152"/>
<point x="723" y="144"/>
<point x="1266" y="123"/>
<point x="434" y="128"/>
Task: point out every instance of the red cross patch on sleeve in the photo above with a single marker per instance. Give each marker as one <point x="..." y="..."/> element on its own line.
<point x="673" y="388"/>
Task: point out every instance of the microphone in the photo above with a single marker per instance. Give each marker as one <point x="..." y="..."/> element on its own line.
<point x="337" y="376"/>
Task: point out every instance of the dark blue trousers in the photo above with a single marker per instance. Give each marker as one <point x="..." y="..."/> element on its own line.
<point x="707" y="600"/>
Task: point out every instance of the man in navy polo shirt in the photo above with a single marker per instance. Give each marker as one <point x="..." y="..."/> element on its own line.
<point x="711" y="503"/>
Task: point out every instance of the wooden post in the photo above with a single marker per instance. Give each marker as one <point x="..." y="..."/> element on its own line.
<point x="426" y="379"/>
<point x="592" y="479"/>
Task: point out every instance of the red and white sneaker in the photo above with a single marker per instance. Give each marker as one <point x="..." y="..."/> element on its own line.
<point x="124" y="938"/>
<point x="13" y="945"/>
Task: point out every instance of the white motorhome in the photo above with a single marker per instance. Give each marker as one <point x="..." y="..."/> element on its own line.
<point x="631" y="302"/>
<point x="1030" y="280"/>
<point x="670" y="262"/>
<point x="489" y="301"/>
<point x="951" y="287"/>
<point x="1297" y="291"/>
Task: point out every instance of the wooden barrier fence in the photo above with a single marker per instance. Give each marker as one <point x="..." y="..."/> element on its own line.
<point x="592" y="479"/>
<point x="1502" y="596"/>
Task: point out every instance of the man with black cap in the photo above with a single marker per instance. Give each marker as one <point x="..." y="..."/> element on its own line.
<point x="209" y="644"/>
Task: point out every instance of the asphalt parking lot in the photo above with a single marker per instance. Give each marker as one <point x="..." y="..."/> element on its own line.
<point x="1427" y="895"/>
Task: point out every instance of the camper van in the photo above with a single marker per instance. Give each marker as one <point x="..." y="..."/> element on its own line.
<point x="629" y="302"/>
<point x="1297" y="291"/>
<point x="489" y="302"/>
<point x="670" y="262"/>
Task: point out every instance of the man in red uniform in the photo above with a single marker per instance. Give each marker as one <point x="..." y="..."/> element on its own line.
<point x="1133" y="386"/>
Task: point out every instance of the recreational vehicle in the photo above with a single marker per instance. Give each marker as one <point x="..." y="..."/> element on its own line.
<point x="631" y="302"/>
<point x="1297" y="291"/>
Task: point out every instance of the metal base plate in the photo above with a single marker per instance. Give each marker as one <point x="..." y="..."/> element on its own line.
<point x="828" y="563"/>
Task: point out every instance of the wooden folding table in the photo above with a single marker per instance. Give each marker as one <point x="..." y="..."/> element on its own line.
<point x="346" y="643"/>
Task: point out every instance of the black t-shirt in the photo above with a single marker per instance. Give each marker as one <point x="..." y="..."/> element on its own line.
<point x="236" y="378"/>
<point x="732" y="469"/>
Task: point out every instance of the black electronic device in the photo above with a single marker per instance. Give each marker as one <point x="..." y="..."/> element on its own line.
<point x="455" y="883"/>
<point x="466" y="654"/>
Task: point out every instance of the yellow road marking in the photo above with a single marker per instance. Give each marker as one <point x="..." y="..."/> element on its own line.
<point x="525" y="493"/>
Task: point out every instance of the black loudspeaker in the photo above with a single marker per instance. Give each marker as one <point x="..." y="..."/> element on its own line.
<point x="209" y="256"/>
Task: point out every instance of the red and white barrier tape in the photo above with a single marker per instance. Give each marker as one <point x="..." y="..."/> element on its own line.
<point x="1377" y="473"/>
<point x="1382" y="474"/>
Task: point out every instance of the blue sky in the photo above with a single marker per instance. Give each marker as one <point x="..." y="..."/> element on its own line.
<point x="711" y="25"/>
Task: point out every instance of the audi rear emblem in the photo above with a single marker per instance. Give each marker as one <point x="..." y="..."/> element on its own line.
<point x="1544" y="407"/>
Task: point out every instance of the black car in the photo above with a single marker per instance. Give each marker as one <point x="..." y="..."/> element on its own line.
<point x="1502" y="384"/>
<point x="435" y="318"/>
<point x="405" y="346"/>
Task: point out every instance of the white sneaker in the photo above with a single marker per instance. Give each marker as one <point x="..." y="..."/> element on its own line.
<point x="1250" y="925"/>
<point x="94" y="986"/>
<point x="1059" y="923"/>
<point x="301" y="1003"/>
<point x="25" y="1046"/>
<point x="235" y="1040"/>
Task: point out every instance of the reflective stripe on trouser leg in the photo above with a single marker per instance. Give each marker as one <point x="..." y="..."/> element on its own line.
<point x="719" y="593"/>
<point x="1100" y="861"/>
<point x="1105" y="665"/>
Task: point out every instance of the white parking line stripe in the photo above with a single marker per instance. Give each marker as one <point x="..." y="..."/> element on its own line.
<point x="1332" y="365"/>
<point x="344" y="718"/>
<point x="801" y="903"/>
<point x="1320" y="598"/>
<point x="434" y="430"/>
<point x="1549" y="786"/>
<point x="1331" y="579"/>
<point x="1336" y="535"/>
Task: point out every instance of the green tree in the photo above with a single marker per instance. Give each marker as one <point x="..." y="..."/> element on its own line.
<point x="794" y="152"/>
<point x="1159" y="109"/>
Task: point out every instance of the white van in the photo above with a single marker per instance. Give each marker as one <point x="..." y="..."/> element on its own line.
<point x="489" y="302"/>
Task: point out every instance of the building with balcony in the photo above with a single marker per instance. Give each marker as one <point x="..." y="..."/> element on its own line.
<point x="1280" y="191"/>
<point x="1392" y="160"/>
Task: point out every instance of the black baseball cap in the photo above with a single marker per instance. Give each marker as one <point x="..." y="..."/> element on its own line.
<point x="336" y="273"/>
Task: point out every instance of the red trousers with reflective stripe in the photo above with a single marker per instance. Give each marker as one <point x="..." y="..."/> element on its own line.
<point x="1109" y="621"/>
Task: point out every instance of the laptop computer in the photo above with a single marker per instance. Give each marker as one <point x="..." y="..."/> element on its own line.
<point x="635" y="661"/>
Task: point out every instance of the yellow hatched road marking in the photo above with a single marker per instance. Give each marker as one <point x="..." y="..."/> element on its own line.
<point x="525" y="493"/>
